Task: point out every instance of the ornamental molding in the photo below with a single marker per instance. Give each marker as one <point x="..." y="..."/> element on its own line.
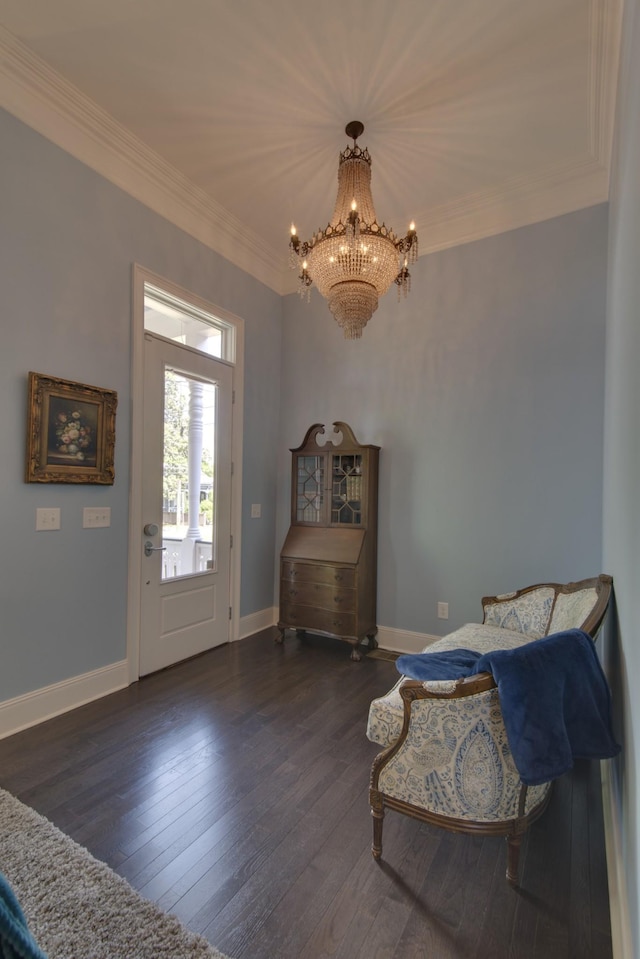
<point x="39" y="96"/>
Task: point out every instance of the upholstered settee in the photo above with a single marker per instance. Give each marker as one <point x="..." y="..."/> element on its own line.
<point x="447" y="759"/>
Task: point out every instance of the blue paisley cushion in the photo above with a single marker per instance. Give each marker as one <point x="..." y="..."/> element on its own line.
<point x="456" y="761"/>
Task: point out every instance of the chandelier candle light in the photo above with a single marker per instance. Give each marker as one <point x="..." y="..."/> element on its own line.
<point x="354" y="260"/>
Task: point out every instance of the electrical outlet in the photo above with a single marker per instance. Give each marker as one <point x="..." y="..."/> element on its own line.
<point x="96" y="517"/>
<point x="256" y="510"/>
<point x="47" y="519"/>
<point x="443" y="611"/>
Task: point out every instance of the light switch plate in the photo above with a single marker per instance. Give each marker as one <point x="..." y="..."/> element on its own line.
<point x="47" y="518"/>
<point x="94" y="517"/>
<point x="256" y="510"/>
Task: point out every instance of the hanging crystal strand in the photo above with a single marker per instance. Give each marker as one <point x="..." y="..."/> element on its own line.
<point x="403" y="280"/>
<point x="305" y="283"/>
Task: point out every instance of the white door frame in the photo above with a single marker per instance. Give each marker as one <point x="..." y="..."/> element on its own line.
<point x="139" y="277"/>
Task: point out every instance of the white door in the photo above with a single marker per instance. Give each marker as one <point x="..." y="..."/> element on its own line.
<point x="186" y="504"/>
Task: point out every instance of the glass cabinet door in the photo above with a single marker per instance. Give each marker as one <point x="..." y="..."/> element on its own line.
<point x="309" y="489"/>
<point x="346" y="489"/>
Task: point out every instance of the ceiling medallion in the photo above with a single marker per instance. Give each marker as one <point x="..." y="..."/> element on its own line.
<point x="355" y="259"/>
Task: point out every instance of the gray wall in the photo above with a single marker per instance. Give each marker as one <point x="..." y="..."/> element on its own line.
<point x="68" y="240"/>
<point x="485" y="390"/>
<point x="622" y="454"/>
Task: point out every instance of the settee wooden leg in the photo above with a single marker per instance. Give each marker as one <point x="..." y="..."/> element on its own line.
<point x="513" y="856"/>
<point x="378" y="818"/>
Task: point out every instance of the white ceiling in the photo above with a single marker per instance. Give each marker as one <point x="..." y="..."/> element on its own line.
<point x="480" y="115"/>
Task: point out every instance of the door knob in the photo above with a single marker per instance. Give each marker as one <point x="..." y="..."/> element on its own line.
<point x="150" y="529"/>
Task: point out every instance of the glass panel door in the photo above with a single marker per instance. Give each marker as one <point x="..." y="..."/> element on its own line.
<point x="346" y="489"/>
<point x="309" y="489"/>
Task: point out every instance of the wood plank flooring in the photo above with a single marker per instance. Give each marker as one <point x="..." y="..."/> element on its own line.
<point x="233" y="790"/>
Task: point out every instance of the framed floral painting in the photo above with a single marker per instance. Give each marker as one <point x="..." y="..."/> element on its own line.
<point x="71" y="432"/>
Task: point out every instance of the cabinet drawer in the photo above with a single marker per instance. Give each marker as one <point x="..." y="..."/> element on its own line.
<point x="309" y="617"/>
<point x="318" y="594"/>
<point x="308" y="573"/>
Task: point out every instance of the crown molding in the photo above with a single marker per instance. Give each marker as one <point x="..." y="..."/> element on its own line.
<point x="519" y="202"/>
<point x="605" y="33"/>
<point x="39" y="96"/>
<point x="563" y="188"/>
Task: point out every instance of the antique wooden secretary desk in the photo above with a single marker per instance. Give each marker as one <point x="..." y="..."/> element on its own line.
<point x="328" y="563"/>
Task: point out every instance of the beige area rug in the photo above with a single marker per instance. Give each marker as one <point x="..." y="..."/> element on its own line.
<point x="76" y="906"/>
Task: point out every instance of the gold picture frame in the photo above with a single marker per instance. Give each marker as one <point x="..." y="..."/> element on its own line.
<point x="71" y="432"/>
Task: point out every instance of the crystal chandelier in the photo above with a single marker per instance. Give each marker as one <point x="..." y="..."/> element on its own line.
<point x="355" y="259"/>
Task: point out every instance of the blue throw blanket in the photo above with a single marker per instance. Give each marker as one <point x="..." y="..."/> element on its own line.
<point x="450" y="664"/>
<point x="16" y="942"/>
<point x="554" y="697"/>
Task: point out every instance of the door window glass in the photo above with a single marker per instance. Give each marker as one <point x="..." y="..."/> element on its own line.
<point x="189" y="476"/>
<point x="185" y="323"/>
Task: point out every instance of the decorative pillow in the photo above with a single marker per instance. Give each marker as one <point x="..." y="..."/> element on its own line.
<point x="527" y="614"/>
<point x="572" y="609"/>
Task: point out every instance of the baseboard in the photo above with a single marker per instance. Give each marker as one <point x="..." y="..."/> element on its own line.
<point x="621" y="937"/>
<point x="395" y="640"/>
<point x="402" y="640"/>
<point x="41" y="704"/>
<point x="255" y="622"/>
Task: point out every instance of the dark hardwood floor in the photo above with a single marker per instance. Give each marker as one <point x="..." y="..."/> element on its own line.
<point x="233" y="790"/>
